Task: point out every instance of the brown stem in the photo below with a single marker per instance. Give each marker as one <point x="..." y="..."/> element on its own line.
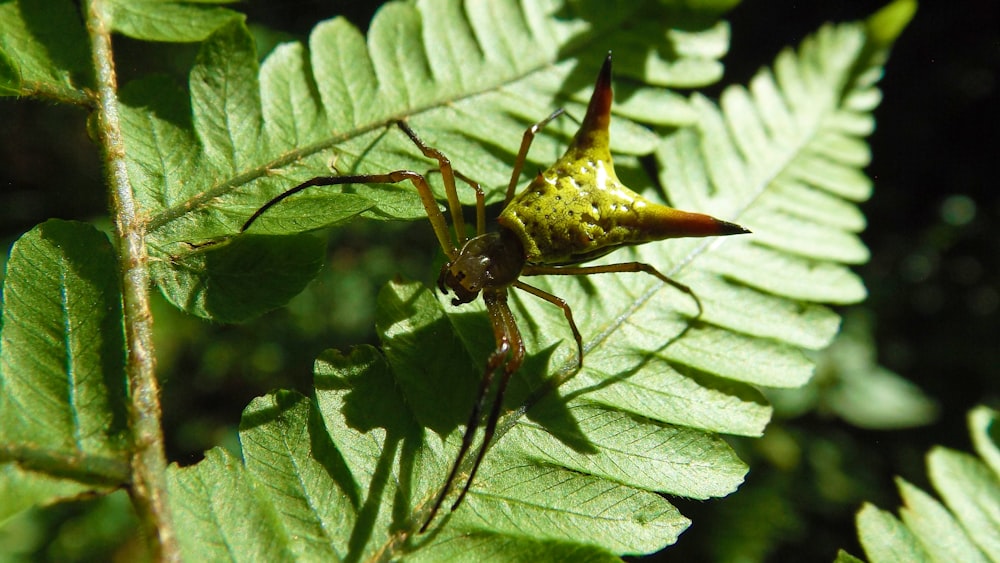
<point x="148" y="487"/>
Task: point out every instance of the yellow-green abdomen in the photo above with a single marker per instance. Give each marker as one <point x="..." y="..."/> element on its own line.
<point x="578" y="210"/>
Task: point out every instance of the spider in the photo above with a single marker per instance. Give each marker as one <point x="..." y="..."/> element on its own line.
<point x="575" y="211"/>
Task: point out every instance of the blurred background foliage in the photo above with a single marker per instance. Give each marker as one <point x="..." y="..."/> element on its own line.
<point x="911" y="362"/>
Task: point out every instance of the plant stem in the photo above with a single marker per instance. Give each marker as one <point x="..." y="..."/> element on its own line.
<point x="148" y="485"/>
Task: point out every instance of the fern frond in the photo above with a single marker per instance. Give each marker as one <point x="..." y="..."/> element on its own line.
<point x="579" y="462"/>
<point x="582" y="462"/>
<point x="963" y="528"/>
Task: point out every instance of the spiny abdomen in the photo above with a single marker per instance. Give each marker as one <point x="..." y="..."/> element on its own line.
<point x="578" y="210"/>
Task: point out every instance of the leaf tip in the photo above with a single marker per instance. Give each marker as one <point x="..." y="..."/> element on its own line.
<point x="885" y="25"/>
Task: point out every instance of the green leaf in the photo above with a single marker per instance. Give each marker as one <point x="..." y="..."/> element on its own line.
<point x="62" y="384"/>
<point x="165" y="20"/>
<point x="240" y="527"/>
<point x="886" y="539"/>
<point x="864" y="393"/>
<point x="309" y="489"/>
<point x="790" y="145"/>
<point x="964" y="527"/>
<point x="972" y="493"/>
<point x="10" y="78"/>
<point x="845" y="557"/>
<point x="44" y="49"/>
<point x="930" y="520"/>
<point x="225" y="98"/>
<point x="580" y="460"/>
<point x="984" y="436"/>
<point x="289" y="453"/>
<point x="164" y="157"/>
<point x="886" y="24"/>
<point x="22" y="489"/>
<point x="242" y="279"/>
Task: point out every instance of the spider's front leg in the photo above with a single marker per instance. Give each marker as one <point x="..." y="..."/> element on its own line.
<point x="522" y="153"/>
<point x="509" y="354"/>
<point x="434" y="214"/>
<point x="448" y="175"/>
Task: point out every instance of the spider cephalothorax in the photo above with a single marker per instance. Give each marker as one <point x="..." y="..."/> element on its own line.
<point x="492" y="260"/>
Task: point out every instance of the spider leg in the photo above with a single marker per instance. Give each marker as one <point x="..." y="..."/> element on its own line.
<point x="622" y="267"/>
<point x="470" y="433"/>
<point x="509" y="341"/>
<point x="480" y="200"/>
<point x="509" y="353"/>
<point x="522" y="153"/>
<point x="447" y="177"/>
<point x="561" y="303"/>
<point x="434" y="214"/>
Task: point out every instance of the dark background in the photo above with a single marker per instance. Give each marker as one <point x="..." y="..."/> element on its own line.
<point x="933" y="276"/>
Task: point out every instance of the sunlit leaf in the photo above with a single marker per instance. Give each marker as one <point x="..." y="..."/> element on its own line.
<point x="578" y="461"/>
<point x="961" y="526"/>
<point x="62" y="372"/>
